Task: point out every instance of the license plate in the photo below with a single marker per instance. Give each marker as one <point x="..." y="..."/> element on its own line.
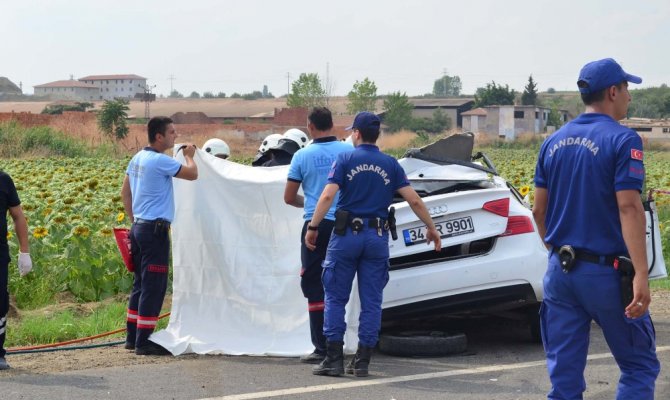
<point x="448" y="228"/>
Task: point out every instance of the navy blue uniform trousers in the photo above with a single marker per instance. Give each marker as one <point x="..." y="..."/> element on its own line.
<point x="366" y="255"/>
<point x="591" y="292"/>
<point x="150" y="248"/>
<point x="310" y="281"/>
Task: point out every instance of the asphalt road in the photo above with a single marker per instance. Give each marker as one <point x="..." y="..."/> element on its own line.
<point x="501" y="363"/>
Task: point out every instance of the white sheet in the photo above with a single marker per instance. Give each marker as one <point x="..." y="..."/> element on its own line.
<point x="236" y="257"/>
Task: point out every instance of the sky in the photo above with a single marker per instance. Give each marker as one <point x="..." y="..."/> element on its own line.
<point x="241" y="45"/>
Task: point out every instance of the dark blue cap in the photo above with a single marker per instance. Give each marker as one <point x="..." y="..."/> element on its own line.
<point x="601" y="74"/>
<point x="365" y="120"/>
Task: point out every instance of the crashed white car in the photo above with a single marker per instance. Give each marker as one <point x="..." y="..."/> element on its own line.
<point x="492" y="258"/>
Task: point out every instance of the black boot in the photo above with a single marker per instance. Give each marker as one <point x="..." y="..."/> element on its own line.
<point x="358" y="366"/>
<point x="333" y="364"/>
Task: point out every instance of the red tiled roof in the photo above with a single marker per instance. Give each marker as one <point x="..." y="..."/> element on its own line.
<point x="107" y="77"/>
<point x="66" y="84"/>
<point x="476" y="111"/>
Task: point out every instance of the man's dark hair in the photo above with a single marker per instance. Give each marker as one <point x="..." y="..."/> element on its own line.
<point x="370" y="135"/>
<point x="322" y="118"/>
<point x="157" y="125"/>
<point x="590" y="98"/>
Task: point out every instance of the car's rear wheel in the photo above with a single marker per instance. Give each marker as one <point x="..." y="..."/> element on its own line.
<point x="422" y="343"/>
<point x="533" y="317"/>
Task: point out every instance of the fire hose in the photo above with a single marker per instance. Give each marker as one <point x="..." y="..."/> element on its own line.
<point x="44" y="348"/>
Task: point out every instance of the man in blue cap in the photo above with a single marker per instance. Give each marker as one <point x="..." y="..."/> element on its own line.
<point x="592" y="170"/>
<point x="366" y="180"/>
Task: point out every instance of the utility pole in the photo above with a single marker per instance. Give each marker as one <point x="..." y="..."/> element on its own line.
<point x="171" y="78"/>
<point x="327" y="83"/>
<point x="444" y="81"/>
<point x="147" y="98"/>
<point x="288" y="83"/>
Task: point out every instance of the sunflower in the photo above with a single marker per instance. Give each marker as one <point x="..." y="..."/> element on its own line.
<point x="120" y="217"/>
<point x="81" y="231"/>
<point x="40" y="232"/>
<point x="9" y="235"/>
<point x="106" y="232"/>
<point x="524" y="190"/>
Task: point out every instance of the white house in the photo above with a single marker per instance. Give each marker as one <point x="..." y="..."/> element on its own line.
<point x="116" y="86"/>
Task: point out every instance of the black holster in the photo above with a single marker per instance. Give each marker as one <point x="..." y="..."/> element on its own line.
<point x="391" y="224"/>
<point x="341" y="222"/>
<point x="624" y="266"/>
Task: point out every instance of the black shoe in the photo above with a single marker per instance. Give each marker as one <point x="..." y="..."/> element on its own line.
<point x="3" y="364"/>
<point x="312" y="358"/>
<point x="129" y="346"/>
<point x="333" y="364"/>
<point x="152" y="349"/>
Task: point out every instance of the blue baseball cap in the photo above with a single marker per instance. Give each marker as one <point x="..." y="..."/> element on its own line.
<point x="365" y="120"/>
<point x="601" y="74"/>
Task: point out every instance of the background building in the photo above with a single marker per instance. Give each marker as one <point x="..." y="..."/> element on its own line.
<point x="68" y="90"/>
<point x="116" y="86"/>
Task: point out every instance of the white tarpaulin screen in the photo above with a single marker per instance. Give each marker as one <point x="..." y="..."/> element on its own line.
<point x="236" y="257"/>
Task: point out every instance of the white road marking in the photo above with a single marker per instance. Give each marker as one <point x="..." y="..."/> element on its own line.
<point x="396" y="379"/>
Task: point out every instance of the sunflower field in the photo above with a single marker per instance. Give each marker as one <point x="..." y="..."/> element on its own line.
<point x="72" y="205"/>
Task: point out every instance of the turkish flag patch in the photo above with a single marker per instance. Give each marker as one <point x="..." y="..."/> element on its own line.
<point x="636" y="154"/>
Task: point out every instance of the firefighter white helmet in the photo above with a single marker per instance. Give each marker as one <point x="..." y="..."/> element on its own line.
<point x="269" y="142"/>
<point x="217" y="147"/>
<point x="297" y="136"/>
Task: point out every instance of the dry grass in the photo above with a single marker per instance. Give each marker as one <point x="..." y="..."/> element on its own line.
<point x="397" y="140"/>
<point x="212" y="107"/>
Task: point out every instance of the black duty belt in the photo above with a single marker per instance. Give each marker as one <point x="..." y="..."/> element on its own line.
<point x="594" y="258"/>
<point x="141" y="221"/>
<point x="357" y="224"/>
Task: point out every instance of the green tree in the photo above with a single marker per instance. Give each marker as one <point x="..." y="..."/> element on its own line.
<point x="220" y="95"/>
<point x="653" y="102"/>
<point x="112" y="118"/>
<point x="447" y="86"/>
<point x="493" y="94"/>
<point x="194" y="95"/>
<point x="529" y="96"/>
<point x="554" y="118"/>
<point x="437" y="124"/>
<point x="363" y="97"/>
<point x="208" y="95"/>
<point x="307" y="91"/>
<point x="174" y="94"/>
<point x="398" y="111"/>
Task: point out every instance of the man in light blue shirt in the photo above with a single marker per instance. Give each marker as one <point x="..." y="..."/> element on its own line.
<point x="148" y="199"/>
<point x="309" y="168"/>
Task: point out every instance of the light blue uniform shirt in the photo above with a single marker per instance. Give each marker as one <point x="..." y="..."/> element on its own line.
<point x="150" y="174"/>
<point x="310" y="167"/>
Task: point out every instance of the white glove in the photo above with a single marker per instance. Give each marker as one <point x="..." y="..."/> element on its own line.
<point x="25" y="263"/>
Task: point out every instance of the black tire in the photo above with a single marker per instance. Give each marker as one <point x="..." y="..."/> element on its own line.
<point x="533" y="316"/>
<point x="422" y="343"/>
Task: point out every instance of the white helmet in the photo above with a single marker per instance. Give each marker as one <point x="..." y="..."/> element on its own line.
<point x="217" y="147"/>
<point x="297" y="136"/>
<point x="269" y="142"/>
